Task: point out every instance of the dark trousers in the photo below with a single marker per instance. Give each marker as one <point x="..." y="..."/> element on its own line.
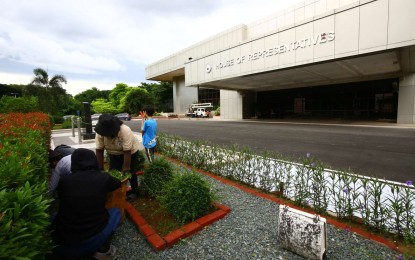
<point x="91" y="245"/>
<point x="150" y="153"/>
<point x="116" y="163"/>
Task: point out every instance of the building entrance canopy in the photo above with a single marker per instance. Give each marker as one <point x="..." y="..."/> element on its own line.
<point x="371" y="67"/>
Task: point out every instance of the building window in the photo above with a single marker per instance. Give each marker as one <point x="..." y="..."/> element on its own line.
<point x="207" y="95"/>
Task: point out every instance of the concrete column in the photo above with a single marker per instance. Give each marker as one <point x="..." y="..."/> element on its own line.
<point x="406" y="101"/>
<point x="183" y="96"/>
<point x="231" y="104"/>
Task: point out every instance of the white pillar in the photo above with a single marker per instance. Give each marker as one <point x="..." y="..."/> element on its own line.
<point x="230" y="104"/>
<point x="183" y="96"/>
<point x="406" y="101"/>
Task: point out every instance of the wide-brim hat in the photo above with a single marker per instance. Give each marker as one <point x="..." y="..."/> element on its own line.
<point x="108" y="125"/>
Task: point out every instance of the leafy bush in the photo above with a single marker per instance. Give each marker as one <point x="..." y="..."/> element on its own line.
<point x="217" y="111"/>
<point x="18" y="104"/>
<point x="24" y="219"/>
<point x="155" y="176"/>
<point x="187" y="196"/>
<point x="141" y="160"/>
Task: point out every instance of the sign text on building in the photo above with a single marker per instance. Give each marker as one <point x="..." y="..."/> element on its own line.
<point x="279" y="49"/>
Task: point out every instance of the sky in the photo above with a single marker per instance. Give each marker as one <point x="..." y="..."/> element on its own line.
<point x="99" y="43"/>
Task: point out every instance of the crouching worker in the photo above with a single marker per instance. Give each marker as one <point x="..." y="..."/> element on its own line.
<point x="83" y="227"/>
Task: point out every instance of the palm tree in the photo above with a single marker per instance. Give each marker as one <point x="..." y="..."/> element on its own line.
<point x="52" y="97"/>
<point x="42" y="79"/>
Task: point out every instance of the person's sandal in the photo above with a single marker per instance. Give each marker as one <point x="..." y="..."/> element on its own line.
<point x="109" y="255"/>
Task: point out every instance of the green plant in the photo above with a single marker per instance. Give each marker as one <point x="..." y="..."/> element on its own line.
<point x="217" y="111"/>
<point x="155" y="176"/>
<point x="187" y="196"/>
<point x="120" y="175"/>
<point x="23" y="221"/>
<point x="141" y="160"/>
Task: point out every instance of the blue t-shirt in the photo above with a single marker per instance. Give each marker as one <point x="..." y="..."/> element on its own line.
<point x="149" y="135"/>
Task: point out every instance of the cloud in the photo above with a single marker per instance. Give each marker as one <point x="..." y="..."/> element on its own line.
<point x="93" y="40"/>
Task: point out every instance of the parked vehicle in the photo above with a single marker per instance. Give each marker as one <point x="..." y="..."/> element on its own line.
<point x="199" y="110"/>
<point x="94" y="119"/>
<point x="124" y="116"/>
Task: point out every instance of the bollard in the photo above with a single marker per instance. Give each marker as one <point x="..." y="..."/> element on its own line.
<point x="79" y="130"/>
<point x="73" y="126"/>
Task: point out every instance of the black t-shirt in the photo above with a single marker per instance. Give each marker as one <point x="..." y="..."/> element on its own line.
<point x="82" y="211"/>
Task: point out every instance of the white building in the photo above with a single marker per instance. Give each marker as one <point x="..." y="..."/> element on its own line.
<point x="322" y="58"/>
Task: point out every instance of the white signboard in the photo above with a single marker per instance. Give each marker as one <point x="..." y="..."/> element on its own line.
<point x="302" y="233"/>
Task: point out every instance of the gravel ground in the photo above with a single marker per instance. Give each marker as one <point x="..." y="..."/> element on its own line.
<point x="249" y="231"/>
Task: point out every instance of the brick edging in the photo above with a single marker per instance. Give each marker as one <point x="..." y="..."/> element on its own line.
<point x="159" y="243"/>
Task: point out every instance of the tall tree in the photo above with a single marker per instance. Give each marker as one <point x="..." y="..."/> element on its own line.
<point x="92" y="94"/>
<point x="161" y="95"/>
<point x="135" y="99"/>
<point x="42" y="79"/>
<point x="118" y="93"/>
<point x="53" y="99"/>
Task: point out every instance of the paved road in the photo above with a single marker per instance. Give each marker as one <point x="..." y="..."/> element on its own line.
<point x="386" y="151"/>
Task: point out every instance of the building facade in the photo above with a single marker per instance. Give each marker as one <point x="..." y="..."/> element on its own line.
<point x="319" y="58"/>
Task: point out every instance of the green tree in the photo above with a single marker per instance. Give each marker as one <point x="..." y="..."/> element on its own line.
<point x="102" y="106"/>
<point x="118" y="93"/>
<point x="161" y="95"/>
<point x="52" y="98"/>
<point x="42" y="79"/>
<point x="12" y="90"/>
<point x="92" y="94"/>
<point x="135" y="99"/>
<point x="18" y="104"/>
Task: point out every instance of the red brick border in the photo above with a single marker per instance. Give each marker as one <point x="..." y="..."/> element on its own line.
<point x="159" y="243"/>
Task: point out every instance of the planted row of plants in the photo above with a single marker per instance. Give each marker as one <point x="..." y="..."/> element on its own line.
<point x="24" y="218"/>
<point x="181" y="191"/>
<point x="382" y="205"/>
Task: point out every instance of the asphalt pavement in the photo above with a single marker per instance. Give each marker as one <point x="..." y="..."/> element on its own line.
<point x="376" y="149"/>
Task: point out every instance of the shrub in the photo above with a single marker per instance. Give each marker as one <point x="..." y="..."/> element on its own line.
<point x="18" y="104"/>
<point x="24" y="219"/>
<point x="155" y="176"/>
<point x="141" y="159"/>
<point x="217" y="111"/>
<point x="187" y="196"/>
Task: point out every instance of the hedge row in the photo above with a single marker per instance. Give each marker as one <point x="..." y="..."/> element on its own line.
<point x="24" y="218"/>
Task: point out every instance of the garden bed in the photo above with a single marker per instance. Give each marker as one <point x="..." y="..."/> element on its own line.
<point x="159" y="227"/>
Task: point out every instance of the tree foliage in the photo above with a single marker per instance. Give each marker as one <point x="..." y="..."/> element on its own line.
<point x="92" y="94"/>
<point x="118" y="93"/>
<point x="161" y="95"/>
<point x="42" y="79"/>
<point x="135" y="100"/>
<point x="102" y="106"/>
<point x="18" y="104"/>
<point x="52" y="98"/>
<point x="12" y="90"/>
